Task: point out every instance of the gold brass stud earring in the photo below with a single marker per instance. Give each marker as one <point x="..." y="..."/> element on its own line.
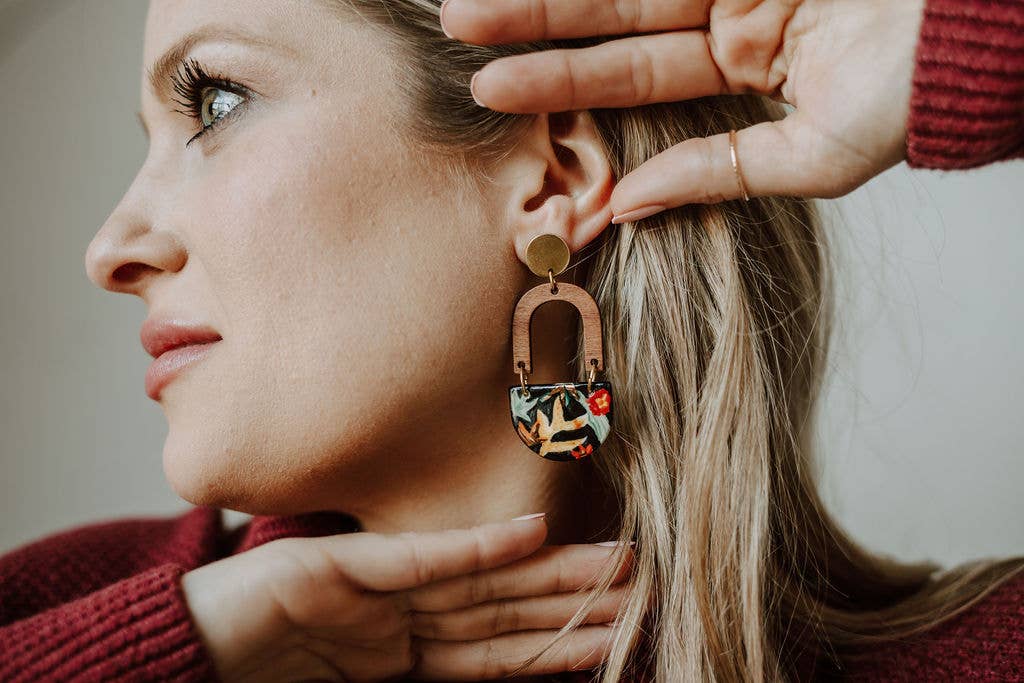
<point x="567" y="420"/>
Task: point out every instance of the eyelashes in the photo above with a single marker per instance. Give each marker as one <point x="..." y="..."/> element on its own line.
<point x="192" y="83"/>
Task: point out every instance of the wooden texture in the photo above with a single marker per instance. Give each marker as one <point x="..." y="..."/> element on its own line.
<point x="578" y="297"/>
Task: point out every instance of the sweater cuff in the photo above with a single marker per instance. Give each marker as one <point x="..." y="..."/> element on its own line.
<point x="137" y="629"/>
<point x="967" y="97"/>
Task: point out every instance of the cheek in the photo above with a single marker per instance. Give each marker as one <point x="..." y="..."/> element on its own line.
<point x="374" y="261"/>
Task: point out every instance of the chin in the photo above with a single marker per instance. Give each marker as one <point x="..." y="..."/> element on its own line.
<point x="232" y="478"/>
<point x="199" y="477"/>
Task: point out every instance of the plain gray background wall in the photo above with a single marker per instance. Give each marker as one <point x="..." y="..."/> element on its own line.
<point x="920" y="426"/>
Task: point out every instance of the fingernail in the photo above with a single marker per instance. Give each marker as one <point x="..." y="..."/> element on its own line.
<point x="443" y="28"/>
<point x="535" y="515"/>
<point x="637" y="214"/>
<point x="611" y="544"/>
<point x="472" y="86"/>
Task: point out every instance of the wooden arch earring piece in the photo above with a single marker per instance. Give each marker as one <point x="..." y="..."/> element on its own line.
<point x="567" y="420"/>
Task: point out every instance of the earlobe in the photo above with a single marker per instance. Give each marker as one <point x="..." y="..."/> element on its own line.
<point x="561" y="182"/>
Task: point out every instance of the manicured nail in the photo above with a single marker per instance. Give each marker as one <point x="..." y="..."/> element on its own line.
<point x="472" y="89"/>
<point x="472" y="86"/>
<point x="535" y="515"/>
<point x="443" y="28"/>
<point x="637" y="214"/>
<point x="612" y="544"/>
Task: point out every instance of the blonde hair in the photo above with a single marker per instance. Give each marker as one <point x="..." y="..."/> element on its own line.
<point x="717" y="324"/>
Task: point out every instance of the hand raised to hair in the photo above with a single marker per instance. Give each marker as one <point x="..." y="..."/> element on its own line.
<point x="845" y="65"/>
<point x="461" y="604"/>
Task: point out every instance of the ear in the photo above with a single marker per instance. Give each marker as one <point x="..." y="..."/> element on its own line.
<point x="558" y="180"/>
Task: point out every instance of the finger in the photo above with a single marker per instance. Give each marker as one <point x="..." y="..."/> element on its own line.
<point x="784" y="157"/>
<point x="497" y="657"/>
<point x="551" y="569"/>
<point x="619" y="73"/>
<point x="516" y="614"/>
<point x="513" y="21"/>
<point x="392" y="562"/>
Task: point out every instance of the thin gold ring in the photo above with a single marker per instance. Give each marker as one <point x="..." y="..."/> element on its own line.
<point x="736" y="165"/>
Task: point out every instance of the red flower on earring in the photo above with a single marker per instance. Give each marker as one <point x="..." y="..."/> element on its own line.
<point x="581" y="451"/>
<point x="600" y="402"/>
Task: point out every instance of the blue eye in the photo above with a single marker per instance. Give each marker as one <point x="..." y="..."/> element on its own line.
<point x="207" y="100"/>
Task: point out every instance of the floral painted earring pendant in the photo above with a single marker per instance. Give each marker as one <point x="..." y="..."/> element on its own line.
<point x="563" y="421"/>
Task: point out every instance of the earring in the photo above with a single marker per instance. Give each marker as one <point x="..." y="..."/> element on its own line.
<point x="563" y="421"/>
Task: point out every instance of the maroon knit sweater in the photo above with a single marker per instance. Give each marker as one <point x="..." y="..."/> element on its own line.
<point x="103" y="602"/>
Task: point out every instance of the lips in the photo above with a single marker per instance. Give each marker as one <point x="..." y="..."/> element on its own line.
<point x="160" y="334"/>
<point x="173" y="345"/>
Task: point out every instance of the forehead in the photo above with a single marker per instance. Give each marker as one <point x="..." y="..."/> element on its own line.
<point x="294" y="23"/>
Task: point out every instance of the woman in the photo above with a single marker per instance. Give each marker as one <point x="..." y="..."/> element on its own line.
<point x="341" y="230"/>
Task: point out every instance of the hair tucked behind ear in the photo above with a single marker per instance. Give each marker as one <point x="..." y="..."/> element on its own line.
<point x="717" y="322"/>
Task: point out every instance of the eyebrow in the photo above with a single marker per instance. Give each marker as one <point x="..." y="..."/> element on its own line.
<point x="167" y="64"/>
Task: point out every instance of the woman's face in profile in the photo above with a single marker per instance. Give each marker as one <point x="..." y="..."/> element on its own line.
<point x="362" y="297"/>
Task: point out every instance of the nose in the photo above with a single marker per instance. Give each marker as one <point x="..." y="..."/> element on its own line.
<point x="128" y="252"/>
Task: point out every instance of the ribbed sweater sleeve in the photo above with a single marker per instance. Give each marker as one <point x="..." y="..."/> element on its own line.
<point x="104" y="601"/>
<point x="967" y="97"/>
<point x="137" y="629"/>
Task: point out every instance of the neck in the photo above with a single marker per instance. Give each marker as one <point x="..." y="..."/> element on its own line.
<point x="470" y="467"/>
<point x="463" y="488"/>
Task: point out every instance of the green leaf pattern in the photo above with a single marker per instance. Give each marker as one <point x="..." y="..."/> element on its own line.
<point x="522" y="406"/>
<point x="599" y="423"/>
